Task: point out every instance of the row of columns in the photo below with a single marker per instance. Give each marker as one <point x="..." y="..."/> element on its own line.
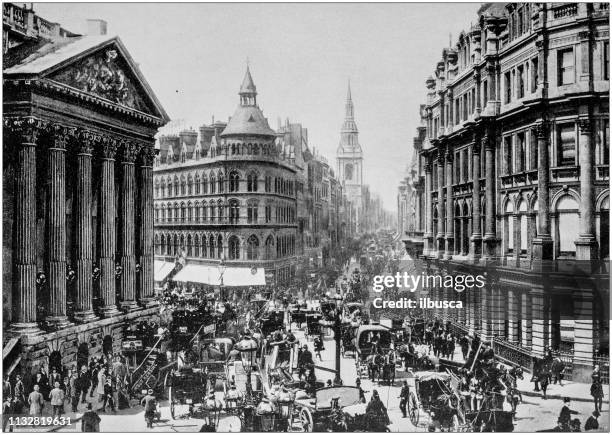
<point x="29" y="134"/>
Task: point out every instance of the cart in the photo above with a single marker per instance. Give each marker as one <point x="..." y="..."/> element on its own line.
<point x="365" y="337"/>
<point x="317" y="415"/>
<point x="185" y="389"/>
<point x="313" y="325"/>
<point x="347" y="344"/>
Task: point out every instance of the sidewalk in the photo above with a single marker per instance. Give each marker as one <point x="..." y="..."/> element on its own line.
<point x="576" y="391"/>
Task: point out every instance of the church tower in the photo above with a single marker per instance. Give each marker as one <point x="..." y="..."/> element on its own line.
<point x="349" y="158"/>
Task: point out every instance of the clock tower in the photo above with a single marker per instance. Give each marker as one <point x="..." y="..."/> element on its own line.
<point x="349" y="158"/>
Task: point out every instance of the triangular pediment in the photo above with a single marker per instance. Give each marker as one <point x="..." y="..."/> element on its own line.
<point x="109" y="74"/>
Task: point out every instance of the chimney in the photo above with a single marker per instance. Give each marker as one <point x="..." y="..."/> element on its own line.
<point x="96" y="27"/>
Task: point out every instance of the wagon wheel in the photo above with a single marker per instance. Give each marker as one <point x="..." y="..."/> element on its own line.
<point x="306" y="420"/>
<point x="169" y="389"/>
<point x="342" y="350"/>
<point x="413" y="409"/>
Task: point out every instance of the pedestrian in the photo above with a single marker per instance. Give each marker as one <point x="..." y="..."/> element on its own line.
<point x="7" y="388"/>
<point x="404" y="395"/>
<point x="7" y="413"/>
<point x="36" y="401"/>
<point x="362" y="398"/>
<point x="597" y="389"/>
<point x="19" y="397"/>
<point x="318" y="346"/>
<point x="83" y="383"/>
<point x="90" y="421"/>
<point x="544" y="379"/>
<point x="556" y="369"/>
<point x="74" y="388"/>
<point x="94" y="373"/>
<point x="57" y="397"/>
<point x="565" y="416"/>
<point x="107" y="398"/>
<point x="100" y="384"/>
<point x="150" y="405"/>
<point x="592" y="422"/>
<point x="465" y="345"/>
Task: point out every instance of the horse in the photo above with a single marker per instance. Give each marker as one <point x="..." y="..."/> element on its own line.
<point x="374" y="362"/>
<point x="388" y="368"/>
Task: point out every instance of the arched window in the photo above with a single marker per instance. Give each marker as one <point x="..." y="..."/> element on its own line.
<point x="268" y="183"/>
<point x="522" y="228"/>
<point x="163" y="188"/>
<point x="509" y="227"/>
<point x="183" y="212"/>
<point x="189" y="246"/>
<point x="211" y="246"/>
<point x="212" y="183"/>
<point x="204" y="184"/>
<point x="234" y="211"/>
<point x="252" y="182"/>
<point x="190" y="185"/>
<point x="269" y="248"/>
<point x="212" y="211"/>
<point x="219" y="246"/>
<point x="220" y="211"/>
<point x="568" y="226"/>
<point x="176" y="186"/>
<point x="204" y="211"/>
<point x="189" y="212"/>
<point x="182" y="245"/>
<point x="252" y="212"/>
<point x="196" y="212"/>
<point x="220" y="182"/>
<point x="156" y="188"/>
<point x="198" y="187"/>
<point x="234" y="248"/>
<point x="196" y="246"/>
<point x="183" y="186"/>
<point x="252" y="248"/>
<point x="234" y="181"/>
<point x="204" y="246"/>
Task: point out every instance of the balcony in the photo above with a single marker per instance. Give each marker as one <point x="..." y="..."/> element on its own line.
<point x="565" y="11"/>
<point x="565" y="173"/>
<point x="524" y="178"/>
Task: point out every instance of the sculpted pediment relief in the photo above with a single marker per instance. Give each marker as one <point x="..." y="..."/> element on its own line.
<point x="106" y="74"/>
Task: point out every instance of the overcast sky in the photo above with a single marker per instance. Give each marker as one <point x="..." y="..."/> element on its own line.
<point x="301" y="57"/>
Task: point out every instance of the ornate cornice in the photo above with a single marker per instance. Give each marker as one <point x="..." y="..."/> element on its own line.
<point x="147" y="155"/>
<point x="585" y="125"/>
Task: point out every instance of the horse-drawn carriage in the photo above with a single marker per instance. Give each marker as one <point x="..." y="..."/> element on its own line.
<point x="335" y="409"/>
<point x="186" y="389"/>
<point x="313" y="325"/>
<point x="373" y="345"/>
<point x="271" y="321"/>
<point x="348" y="330"/>
<point x="435" y="396"/>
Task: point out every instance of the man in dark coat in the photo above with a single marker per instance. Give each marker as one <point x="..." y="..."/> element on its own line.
<point x="90" y="421"/>
<point x="377" y="412"/>
<point x="83" y="382"/>
<point x="404" y="395"/>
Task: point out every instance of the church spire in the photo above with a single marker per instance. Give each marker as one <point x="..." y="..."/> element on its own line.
<point x="349" y="104"/>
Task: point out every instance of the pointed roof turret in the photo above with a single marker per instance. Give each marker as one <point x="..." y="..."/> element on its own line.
<point x="348" y="94"/>
<point x="248" y="86"/>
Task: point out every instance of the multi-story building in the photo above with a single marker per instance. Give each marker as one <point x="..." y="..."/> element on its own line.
<point x="515" y="164"/>
<point x="229" y="197"/>
<point x="77" y="193"/>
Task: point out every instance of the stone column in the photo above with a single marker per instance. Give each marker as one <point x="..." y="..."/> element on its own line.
<point x="584" y="334"/>
<point x="526" y="317"/>
<point x="28" y="132"/>
<point x="440" y="235"/>
<point x="56" y="226"/>
<point x="514" y="316"/>
<point x="108" y="237"/>
<point x="127" y="281"/>
<point x="486" y="312"/>
<point x="539" y="321"/>
<point x="428" y="236"/>
<point x="543" y="243"/>
<point x="450" y="209"/>
<point x="586" y="245"/>
<point x="476" y="239"/>
<point x="146" y="285"/>
<point x="83" y="312"/>
<point x="490" y="238"/>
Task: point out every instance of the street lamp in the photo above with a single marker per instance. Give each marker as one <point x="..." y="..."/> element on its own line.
<point x="338" y="336"/>
<point x="222" y="267"/>
<point x="248" y="353"/>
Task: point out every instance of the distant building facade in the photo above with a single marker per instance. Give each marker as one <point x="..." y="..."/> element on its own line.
<point x="231" y="196"/>
<point x="514" y="169"/>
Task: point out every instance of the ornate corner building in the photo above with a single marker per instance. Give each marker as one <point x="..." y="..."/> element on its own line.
<point x="79" y="125"/>
<point x="511" y="177"/>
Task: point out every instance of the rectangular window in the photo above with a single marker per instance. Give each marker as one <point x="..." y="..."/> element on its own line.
<point x="603" y="145"/>
<point x="606" y="60"/>
<point x="566" y="145"/>
<point x="565" y="66"/>
<point x="507" y="87"/>
<point x="521" y="82"/>
<point x="508" y="155"/>
<point x="485" y="93"/>
<point x="464" y="164"/>
<point x="520" y="152"/>
<point x="457" y="111"/>
<point x="457" y="168"/>
<point x="465" y="106"/>
<point x="534" y="74"/>
<point x="533" y="150"/>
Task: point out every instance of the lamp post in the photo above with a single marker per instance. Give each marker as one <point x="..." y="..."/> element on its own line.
<point x="337" y="336"/>
<point x="222" y="267"/>
<point x="248" y="350"/>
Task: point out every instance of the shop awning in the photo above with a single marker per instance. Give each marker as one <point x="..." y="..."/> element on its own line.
<point x="162" y="269"/>
<point x="232" y="276"/>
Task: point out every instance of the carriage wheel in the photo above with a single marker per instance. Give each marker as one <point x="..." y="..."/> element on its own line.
<point x="413" y="409"/>
<point x="306" y="420"/>
<point x="342" y="350"/>
<point x="172" y="404"/>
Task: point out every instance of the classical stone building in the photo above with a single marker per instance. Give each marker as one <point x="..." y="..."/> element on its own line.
<point x="514" y="165"/>
<point x="77" y="193"/>
<point x="229" y="198"/>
